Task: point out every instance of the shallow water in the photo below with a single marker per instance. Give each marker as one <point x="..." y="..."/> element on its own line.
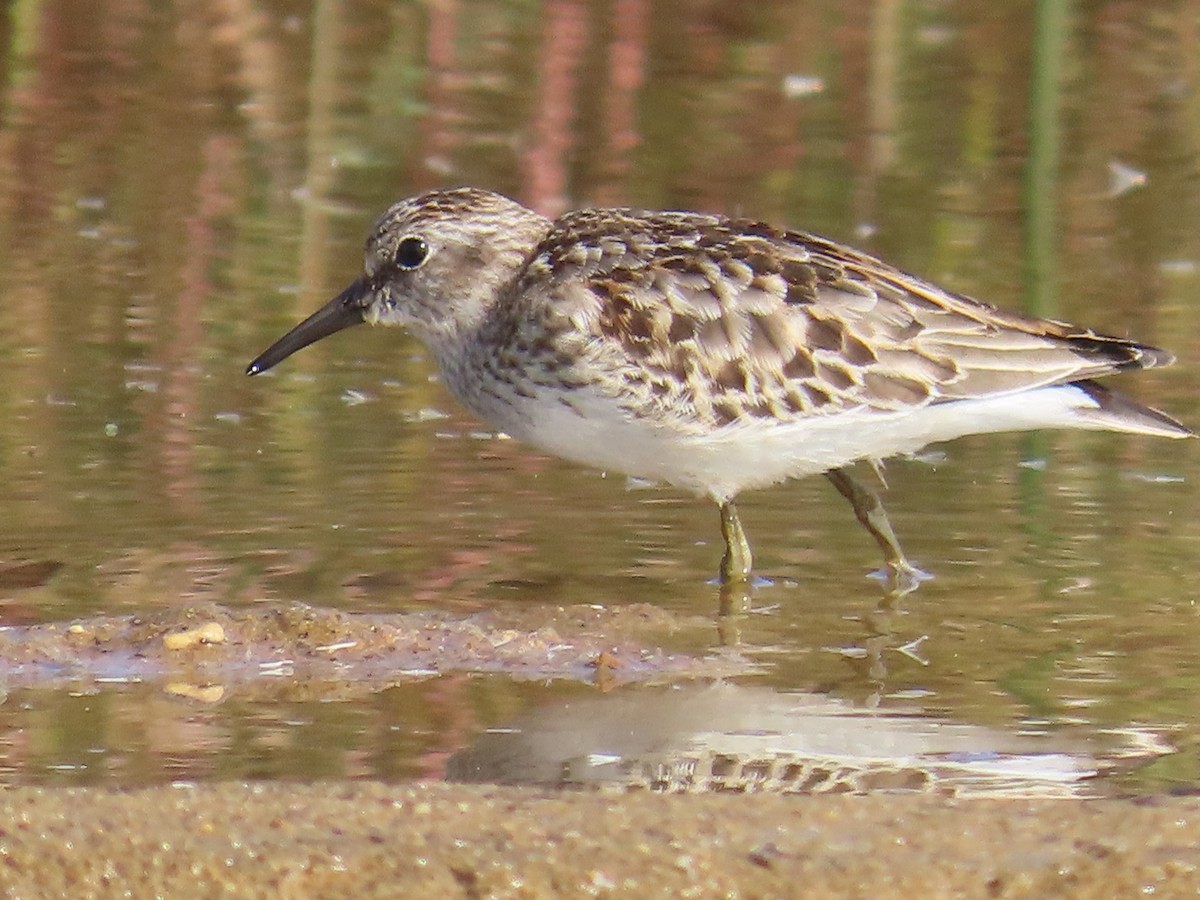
<point x="179" y="186"/>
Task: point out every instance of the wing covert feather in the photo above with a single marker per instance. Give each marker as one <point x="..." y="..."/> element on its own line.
<point x="706" y="321"/>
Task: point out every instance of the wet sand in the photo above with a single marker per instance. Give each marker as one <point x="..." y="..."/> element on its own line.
<point x="201" y="650"/>
<point x="437" y="840"/>
<point x="339" y="839"/>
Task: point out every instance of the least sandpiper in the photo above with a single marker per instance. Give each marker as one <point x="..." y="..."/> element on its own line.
<point x="714" y="354"/>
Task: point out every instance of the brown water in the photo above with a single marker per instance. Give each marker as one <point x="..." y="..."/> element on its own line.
<point x="180" y="183"/>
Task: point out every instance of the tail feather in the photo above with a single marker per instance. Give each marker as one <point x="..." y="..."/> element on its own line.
<point x="1116" y="412"/>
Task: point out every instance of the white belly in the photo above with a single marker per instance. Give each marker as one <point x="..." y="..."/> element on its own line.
<point x="760" y="453"/>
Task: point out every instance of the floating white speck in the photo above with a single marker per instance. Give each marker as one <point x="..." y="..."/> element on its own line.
<point x="1155" y="477"/>
<point x="1124" y="178"/>
<point x="603" y="759"/>
<point x="796" y="86"/>
<point x="848" y="652"/>
<point x="427" y="414"/>
<point x="1177" y="267"/>
<point x="340" y="645"/>
<point x="279" y="667"/>
<point x="353" y="397"/>
<point x="1077" y="584"/>
<point x="912" y="650"/>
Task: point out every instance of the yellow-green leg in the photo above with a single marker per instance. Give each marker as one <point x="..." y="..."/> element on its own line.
<point x="868" y="508"/>
<point x="735" y="564"/>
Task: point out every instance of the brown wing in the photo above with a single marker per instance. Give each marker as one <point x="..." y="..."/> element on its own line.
<point x="712" y="320"/>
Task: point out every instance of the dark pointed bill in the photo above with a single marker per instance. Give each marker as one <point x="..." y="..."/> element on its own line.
<point x="344" y="310"/>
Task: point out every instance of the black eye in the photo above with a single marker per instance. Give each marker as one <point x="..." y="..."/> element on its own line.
<point x="411" y="252"/>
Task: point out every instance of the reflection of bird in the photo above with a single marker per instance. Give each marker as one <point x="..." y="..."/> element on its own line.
<point x="692" y="738"/>
<point x="714" y="354"/>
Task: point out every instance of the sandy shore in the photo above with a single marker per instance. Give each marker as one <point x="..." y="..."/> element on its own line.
<point x="351" y="839"/>
<point x="437" y="840"/>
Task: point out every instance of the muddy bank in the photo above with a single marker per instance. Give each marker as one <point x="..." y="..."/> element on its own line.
<point x="200" y="650"/>
<point x="436" y="840"/>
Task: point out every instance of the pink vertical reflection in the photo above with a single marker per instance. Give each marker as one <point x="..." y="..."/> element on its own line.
<point x="438" y="133"/>
<point x="626" y="73"/>
<point x="545" y="161"/>
<point x="182" y="363"/>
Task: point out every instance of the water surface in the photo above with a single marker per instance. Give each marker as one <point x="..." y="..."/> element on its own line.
<point x="178" y="186"/>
